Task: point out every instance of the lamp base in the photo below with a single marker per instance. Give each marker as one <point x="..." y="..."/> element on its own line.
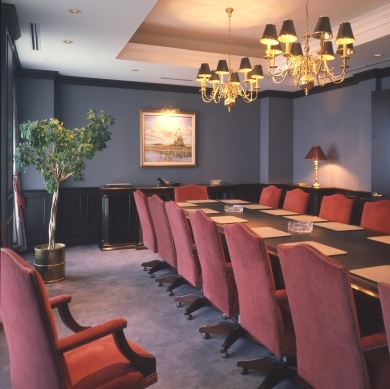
<point x="316" y="185"/>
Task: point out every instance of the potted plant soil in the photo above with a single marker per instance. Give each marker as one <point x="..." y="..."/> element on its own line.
<point x="59" y="153"/>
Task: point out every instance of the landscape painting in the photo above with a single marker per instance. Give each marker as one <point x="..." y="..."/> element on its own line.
<point x="167" y="138"/>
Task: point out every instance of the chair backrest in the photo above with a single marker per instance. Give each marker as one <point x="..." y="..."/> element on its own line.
<point x="384" y="295"/>
<point x="188" y="265"/>
<point x="29" y="326"/>
<point x="376" y="216"/>
<point x="148" y="232"/>
<point x="325" y="321"/>
<point x="296" y="200"/>
<point x="336" y="208"/>
<point x="218" y="284"/>
<point x="190" y="192"/>
<point x="270" y="196"/>
<point x="260" y="315"/>
<point x="165" y="244"/>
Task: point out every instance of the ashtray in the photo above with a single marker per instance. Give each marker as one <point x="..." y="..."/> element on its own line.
<point x="301" y="227"/>
<point x="234" y="208"/>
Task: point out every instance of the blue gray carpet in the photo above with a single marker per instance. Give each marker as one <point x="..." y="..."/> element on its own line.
<point x="110" y="284"/>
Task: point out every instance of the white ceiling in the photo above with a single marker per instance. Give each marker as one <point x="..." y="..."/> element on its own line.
<point x="167" y="40"/>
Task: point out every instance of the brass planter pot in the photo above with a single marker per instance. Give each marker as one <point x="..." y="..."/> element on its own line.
<point x="50" y="264"/>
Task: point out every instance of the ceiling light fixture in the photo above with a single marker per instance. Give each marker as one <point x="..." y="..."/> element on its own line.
<point x="68" y="42"/>
<point x="232" y="89"/>
<point x="74" y="11"/>
<point x="378" y="55"/>
<point x="307" y="67"/>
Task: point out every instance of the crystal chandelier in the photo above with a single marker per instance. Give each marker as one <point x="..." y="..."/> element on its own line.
<point x="230" y="90"/>
<point x="305" y="68"/>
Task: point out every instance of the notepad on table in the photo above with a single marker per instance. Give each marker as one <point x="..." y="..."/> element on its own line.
<point x="205" y="210"/>
<point x="382" y="239"/>
<point x="375" y="273"/>
<point x="306" y="218"/>
<point x="202" y="201"/>
<point x="185" y="204"/>
<point x="228" y="219"/>
<point x="280" y="212"/>
<point x="336" y="226"/>
<point x="234" y="201"/>
<point x="269" y="232"/>
<point x="257" y="206"/>
<point x="327" y="250"/>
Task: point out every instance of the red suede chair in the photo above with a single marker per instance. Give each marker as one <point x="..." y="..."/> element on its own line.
<point x="296" y="200"/>
<point x="190" y="192"/>
<point x="384" y="295"/>
<point x="376" y="216"/>
<point x="336" y="208"/>
<point x="188" y="265"/>
<point x="270" y="196"/>
<point x="219" y="286"/>
<point x="331" y="352"/>
<point x="92" y="357"/>
<point x="264" y="311"/>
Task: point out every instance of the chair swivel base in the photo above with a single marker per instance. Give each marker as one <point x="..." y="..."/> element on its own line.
<point x="174" y="282"/>
<point x="155" y="265"/>
<point x="196" y="302"/>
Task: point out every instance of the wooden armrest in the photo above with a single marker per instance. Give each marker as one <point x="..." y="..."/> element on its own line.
<point x="59" y="300"/>
<point x="280" y="294"/>
<point x="374" y="341"/>
<point x="90" y="334"/>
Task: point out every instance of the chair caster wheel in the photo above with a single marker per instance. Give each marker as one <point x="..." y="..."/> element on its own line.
<point x="145" y="269"/>
<point x="170" y="293"/>
<point x="189" y="317"/>
<point x="243" y="371"/>
<point x="224" y="354"/>
<point x="205" y="335"/>
<point x="178" y="304"/>
<point x="159" y="284"/>
<point x="151" y="275"/>
<point x="224" y="317"/>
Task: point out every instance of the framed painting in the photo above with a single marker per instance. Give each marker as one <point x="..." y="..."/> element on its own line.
<point x="168" y="138"/>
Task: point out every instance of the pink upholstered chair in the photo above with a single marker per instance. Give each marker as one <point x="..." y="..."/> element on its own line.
<point x="190" y="192"/>
<point x="270" y="196"/>
<point x="92" y="357"/>
<point x="376" y="216"/>
<point x="331" y="352"/>
<point x="384" y="295"/>
<point x="218" y="286"/>
<point x="188" y="265"/>
<point x="264" y="311"/>
<point x="296" y="200"/>
<point x="336" y="208"/>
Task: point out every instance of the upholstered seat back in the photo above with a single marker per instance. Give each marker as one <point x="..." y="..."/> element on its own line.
<point x="336" y="208"/>
<point x="260" y="315"/>
<point x="384" y="295"/>
<point x="376" y="216"/>
<point x="188" y="265"/>
<point x="29" y="326"/>
<point x="325" y="321"/>
<point x="296" y="200"/>
<point x="270" y="196"/>
<point x="190" y="192"/>
<point x="218" y="282"/>
<point x="165" y="244"/>
<point x="145" y="218"/>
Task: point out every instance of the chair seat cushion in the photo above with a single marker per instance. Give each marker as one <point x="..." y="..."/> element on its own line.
<point x="378" y="365"/>
<point x="109" y="370"/>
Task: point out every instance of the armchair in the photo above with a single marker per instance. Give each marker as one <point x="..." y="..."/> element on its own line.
<point x="190" y="192"/>
<point x="336" y="208"/>
<point x="296" y="200"/>
<point x="376" y="216"/>
<point x="270" y="196"/>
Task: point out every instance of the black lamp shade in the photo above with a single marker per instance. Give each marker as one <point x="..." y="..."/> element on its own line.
<point x="350" y="49"/>
<point x="204" y="70"/>
<point x="234" y="79"/>
<point x="245" y="65"/>
<point x="222" y="67"/>
<point x="269" y="36"/>
<point x="257" y="72"/>
<point x="345" y="34"/>
<point x="287" y="32"/>
<point x="276" y="49"/>
<point x="214" y="79"/>
<point x="296" y="49"/>
<point x="323" y="29"/>
<point x="198" y="77"/>
<point x="316" y="154"/>
<point x="329" y="53"/>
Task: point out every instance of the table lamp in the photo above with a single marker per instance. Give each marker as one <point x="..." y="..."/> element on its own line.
<point x="316" y="154"/>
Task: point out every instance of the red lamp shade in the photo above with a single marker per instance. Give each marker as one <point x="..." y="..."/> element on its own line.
<point x="316" y="154"/>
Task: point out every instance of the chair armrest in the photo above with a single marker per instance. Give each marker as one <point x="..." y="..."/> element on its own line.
<point x="280" y="294"/>
<point x="372" y="342"/>
<point x="90" y="334"/>
<point x="59" y="300"/>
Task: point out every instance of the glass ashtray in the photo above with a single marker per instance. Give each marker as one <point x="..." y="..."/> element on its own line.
<point x="301" y="227"/>
<point x="234" y="208"/>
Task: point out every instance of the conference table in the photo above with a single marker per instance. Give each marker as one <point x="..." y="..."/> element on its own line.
<point x="360" y="252"/>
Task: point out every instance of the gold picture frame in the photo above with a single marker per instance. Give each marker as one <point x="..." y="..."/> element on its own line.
<point x="168" y="138"/>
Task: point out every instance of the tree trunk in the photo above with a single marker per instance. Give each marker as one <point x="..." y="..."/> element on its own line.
<point x="53" y="215"/>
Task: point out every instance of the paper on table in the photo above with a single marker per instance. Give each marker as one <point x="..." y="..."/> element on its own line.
<point x="234" y="201"/>
<point x="336" y="226"/>
<point x="228" y="219"/>
<point x="269" y="232"/>
<point x="327" y="250"/>
<point x="382" y="239"/>
<point x="205" y="210"/>
<point x="280" y="212"/>
<point x="257" y="206"/>
<point x="185" y="205"/>
<point x="375" y="273"/>
<point x="306" y="218"/>
<point x="202" y="201"/>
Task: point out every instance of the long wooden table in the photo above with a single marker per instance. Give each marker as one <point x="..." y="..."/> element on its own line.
<point x="361" y="252"/>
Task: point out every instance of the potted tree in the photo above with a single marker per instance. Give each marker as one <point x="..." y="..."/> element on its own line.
<point x="59" y="153"/>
